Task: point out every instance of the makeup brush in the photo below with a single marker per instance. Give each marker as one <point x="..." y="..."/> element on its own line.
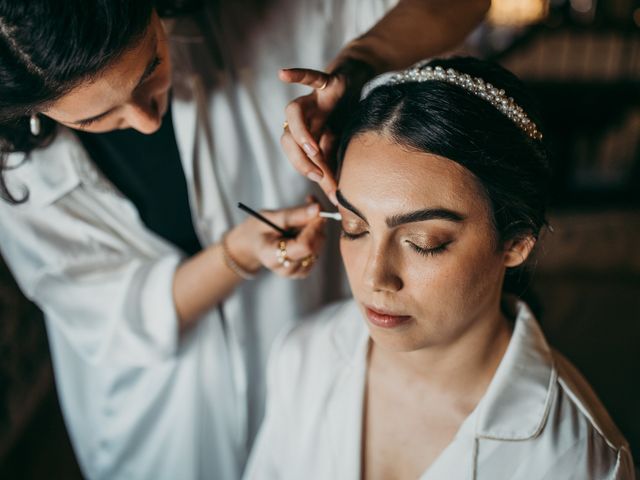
<point x="291" y="233"/>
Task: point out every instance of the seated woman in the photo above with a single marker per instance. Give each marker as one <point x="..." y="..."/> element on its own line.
<point x="432" y="370"/>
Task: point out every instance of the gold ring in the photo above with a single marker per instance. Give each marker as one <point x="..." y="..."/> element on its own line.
<point x="308" y="261"/>
<point x="285" y="125"/>
<point x="281" y="254"/>
<point x="324" y="85"/>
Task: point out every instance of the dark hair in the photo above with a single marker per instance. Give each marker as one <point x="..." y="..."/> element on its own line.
<point x="446" y="120"/>
<point x="47" y="47"/>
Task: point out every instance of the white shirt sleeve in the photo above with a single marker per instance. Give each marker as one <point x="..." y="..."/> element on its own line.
<point x="112" y="303"/>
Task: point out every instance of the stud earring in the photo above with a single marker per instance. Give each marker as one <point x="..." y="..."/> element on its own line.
<point x="34" y="125"/>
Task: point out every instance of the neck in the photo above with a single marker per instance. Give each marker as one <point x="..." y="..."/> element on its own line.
<point x="462" y="368"/>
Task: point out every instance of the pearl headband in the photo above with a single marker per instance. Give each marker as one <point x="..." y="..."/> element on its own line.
<point x="475" y="85"/>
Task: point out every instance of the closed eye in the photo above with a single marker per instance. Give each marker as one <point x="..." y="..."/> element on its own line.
<point x="151" y="68"/>
<point x="91" y="121"/>
<point x="351" y="236"/>
<point x="429" y="251"/>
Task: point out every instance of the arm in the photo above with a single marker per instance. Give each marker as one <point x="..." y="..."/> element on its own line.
<point x="206" y="279"/>
<point x="122" y="303"/>
<point x="411" y="31"/>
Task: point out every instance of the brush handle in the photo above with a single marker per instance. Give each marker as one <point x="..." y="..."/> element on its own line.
<point x="253" y="213"/>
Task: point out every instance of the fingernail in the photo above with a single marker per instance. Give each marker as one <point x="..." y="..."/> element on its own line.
<point x="314" y="177"/>
<point x="312" y="152"/>
<point x="313" y="209"/>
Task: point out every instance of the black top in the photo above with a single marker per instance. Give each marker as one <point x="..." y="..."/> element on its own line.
<point x="148" y="171"/>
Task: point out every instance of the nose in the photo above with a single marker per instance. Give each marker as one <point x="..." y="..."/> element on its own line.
<point x="381" y="272"/>
<point x="144" y="115"/>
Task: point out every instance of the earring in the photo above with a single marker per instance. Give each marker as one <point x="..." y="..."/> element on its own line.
<point x="34" y="125"/>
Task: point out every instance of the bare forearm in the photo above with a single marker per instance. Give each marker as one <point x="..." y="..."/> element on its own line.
<point x="200" y="283"/>
<point x="205" y="279"/>
<point x="413" y="30"/>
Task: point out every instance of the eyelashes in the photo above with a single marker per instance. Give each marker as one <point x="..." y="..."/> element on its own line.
<point x="351" y="236"/>
<point x="429" y="251"/>
<point x="154" y="66"/>
<point x="90" y="122"/>
<point x="419" y="250"/>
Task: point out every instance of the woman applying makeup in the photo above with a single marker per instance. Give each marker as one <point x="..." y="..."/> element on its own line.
<point x="433" y="370"/>
<point x="126" y="142"/>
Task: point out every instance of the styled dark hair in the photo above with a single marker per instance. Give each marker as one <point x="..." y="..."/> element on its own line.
<point x="47" y="47"/>
<point x="446" y="120"/>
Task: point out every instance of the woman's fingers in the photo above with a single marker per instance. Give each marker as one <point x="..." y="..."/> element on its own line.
<point x="306" y="140"/>
<point x="299" y="159"/>
<point x="305" y="76"/>
<point x="317" y="170"/>
<point x="297" y="256"/>
<point x="298" y="128"/>
<point x="308" y="242"/>
<point x="328" y="182"/>
<point x="294" y="257"/>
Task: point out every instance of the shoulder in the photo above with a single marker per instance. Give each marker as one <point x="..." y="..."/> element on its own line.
<point x="47" y="173"/>
<point x="584" y="401"/>
<point x="544" y="418"/>
<point x="592" y="440"/>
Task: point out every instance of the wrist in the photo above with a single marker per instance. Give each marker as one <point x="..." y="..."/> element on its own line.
<point x="239" y="250"/>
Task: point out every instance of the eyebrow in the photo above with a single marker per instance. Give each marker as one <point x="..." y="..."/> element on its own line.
<point x="148" y="71"/>
<point x="424" y="215"/>
<point x="345" y="203"/>
<point x="411" y="217"/>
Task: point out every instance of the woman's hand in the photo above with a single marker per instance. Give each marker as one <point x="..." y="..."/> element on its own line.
<point x="254" y="244"/>
<point x="309" y="138"/>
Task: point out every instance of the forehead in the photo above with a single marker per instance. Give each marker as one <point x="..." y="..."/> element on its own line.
<point x="110" y="86"/>
<point x="380" y="175"/>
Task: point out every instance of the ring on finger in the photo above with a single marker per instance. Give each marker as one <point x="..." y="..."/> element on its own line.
<point x="285" y="125"/>
<point x="281" y="254"/>
<point x="308" y="261"/>
<point x="324" y="85"/>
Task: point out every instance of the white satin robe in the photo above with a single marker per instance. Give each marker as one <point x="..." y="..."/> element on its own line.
<point x="538" y="419"/>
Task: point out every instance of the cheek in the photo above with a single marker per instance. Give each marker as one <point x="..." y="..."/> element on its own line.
<point x="456" y="278"/>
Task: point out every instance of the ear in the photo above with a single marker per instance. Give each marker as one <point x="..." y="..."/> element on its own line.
<point x="517" y="251"/>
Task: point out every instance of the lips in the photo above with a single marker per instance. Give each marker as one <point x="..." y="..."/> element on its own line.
<point x="385" y="319"/>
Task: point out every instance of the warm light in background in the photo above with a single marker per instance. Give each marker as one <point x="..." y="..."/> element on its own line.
<point x="517" y="12"/>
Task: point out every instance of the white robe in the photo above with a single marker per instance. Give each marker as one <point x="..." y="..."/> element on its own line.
<point x="139" y="402"/>
<point x="538" y="419"/>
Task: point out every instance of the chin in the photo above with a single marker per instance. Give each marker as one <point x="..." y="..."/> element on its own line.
<point x="398" y="340"/>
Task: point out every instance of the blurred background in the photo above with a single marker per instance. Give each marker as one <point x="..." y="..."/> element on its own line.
<point x="582" y="60"/>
